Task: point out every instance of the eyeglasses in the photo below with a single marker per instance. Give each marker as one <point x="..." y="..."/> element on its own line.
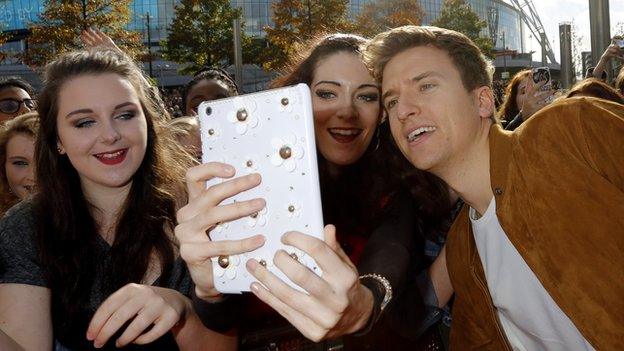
<point x="10" y="105"/>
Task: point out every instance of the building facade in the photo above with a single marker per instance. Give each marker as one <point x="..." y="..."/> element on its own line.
<point x="155" y="16"/>
<point x="499" y="15"/>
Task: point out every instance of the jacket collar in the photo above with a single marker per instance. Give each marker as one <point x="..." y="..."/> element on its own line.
<point x="500" y="151"/>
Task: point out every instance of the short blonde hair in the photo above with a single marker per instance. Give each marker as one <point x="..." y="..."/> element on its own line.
<point x="474" y="68"/>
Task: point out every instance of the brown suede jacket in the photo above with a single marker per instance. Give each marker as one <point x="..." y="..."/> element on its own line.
<point x="558" y="181"/>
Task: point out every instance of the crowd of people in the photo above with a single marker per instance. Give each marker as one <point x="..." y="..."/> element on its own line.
<point x="450" y="223"/>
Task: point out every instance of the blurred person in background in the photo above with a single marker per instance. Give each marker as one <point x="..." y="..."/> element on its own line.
<point x="207" y="84"/>
<point x="17" y="151"/>
<point x="612" y="52"/>
<point x="186" y="131"/>
<point x="16" y="98"/>
<point x="522" y="99"/>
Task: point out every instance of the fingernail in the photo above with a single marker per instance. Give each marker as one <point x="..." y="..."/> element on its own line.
<point x="228" y="169"/>
<point x="259" y="239"/>
<point x="89" y="336"/>
<point x="97" y="344"/>
<point x="252" y="265"/>
<point x="258" y="203"/>
<point x="254" y="288"/>
<point x="284" y="238"/>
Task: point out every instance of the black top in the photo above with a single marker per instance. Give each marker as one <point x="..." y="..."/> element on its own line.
<point x="394" y="249"/>
<point x="514" y="123"/>
<point x="19" y="264"/>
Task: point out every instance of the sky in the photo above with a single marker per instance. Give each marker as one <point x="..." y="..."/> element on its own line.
<point x="554" y="12"/>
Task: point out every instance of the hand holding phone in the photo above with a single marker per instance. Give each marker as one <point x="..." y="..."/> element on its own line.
<point x="539" y="92"/>
<point x="270" y="133"/>
<point x="542" y="75"/>
<point x="619" y="42"/>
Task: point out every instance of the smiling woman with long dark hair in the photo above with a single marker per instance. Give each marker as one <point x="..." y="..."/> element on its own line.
<point x="92" y="259"/>
<point x="377" y="240"/>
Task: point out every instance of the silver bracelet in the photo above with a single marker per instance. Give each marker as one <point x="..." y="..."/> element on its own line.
<point x="385" y="283"/>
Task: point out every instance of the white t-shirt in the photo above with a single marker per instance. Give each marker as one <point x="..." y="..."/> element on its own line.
<point x="530" y="318"/>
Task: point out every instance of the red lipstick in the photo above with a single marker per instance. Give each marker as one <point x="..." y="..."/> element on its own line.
<point x="112" y="157"/>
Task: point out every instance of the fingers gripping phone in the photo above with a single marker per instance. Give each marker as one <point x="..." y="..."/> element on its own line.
<point x="619" y="41"/>
<point x="270" y="133"/>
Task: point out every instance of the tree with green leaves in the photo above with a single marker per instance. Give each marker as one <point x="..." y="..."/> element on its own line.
<point x="62" y="21"/>
<point x="4" y="37"/>
<point x="378" y="16"/>
<point x="459" y="16"/>
<point x="201" y="35"/>
<point x="297" y="21"/>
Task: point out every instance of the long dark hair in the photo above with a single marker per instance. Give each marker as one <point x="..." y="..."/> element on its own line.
<point x="350" y="199"/>
<point x="210" y="73"/>
<point x="354" y="200"/>
<point x="66" y="229"/>
<point x="509" y="108"/>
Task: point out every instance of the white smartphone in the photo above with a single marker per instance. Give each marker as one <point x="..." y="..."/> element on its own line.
<point x="270" y="133"/>
<point x="543" y="74"/>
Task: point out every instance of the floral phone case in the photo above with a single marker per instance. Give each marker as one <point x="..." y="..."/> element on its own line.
<point x="270" y="133"/>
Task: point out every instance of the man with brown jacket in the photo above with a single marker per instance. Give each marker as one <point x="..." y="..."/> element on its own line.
<point x="536" y="257"/>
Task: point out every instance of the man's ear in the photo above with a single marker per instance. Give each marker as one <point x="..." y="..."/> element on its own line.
<point x="485" y="101"/>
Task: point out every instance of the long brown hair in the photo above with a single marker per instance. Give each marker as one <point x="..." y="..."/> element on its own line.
<point x="509" y="109"/>
<point x="354" y="200"/>
<point x="66" y="229"/>
<point x="347" y="186"/>
<point x="27" y="124"/>
<point x="303" y="63"/>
